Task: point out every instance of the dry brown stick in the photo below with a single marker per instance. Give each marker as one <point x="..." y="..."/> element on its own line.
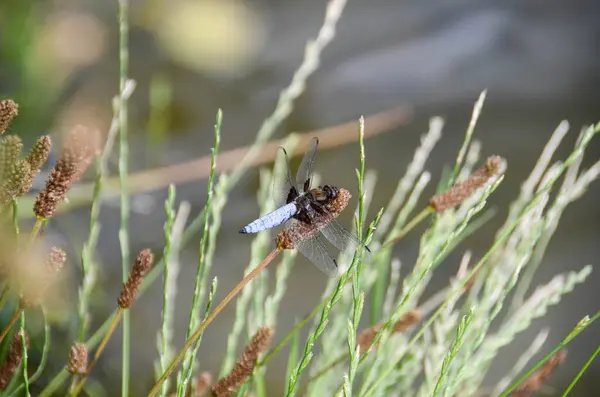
<point x="159" y="178"/>
<point x="11" y="322"/>
<point x="328" y="138"/>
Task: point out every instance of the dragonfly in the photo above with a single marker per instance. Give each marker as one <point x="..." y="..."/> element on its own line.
<point x="302" y="207"/>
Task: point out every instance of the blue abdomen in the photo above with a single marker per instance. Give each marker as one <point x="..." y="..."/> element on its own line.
<point x="271" y="219"/>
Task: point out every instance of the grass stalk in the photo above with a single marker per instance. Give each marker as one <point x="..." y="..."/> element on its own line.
<point x="113" y="325"/>
<point x="204" y="260"/>
<point x="123" y="17"/>
<point x="209" y="319"/>
<point x="581" y="371"/>
<point x="11" y="323"/>
<point x="167" y="310"/>
<point x="39" y="371"/>
<point x="582" y="325"/>
<point x="24" y="361"/>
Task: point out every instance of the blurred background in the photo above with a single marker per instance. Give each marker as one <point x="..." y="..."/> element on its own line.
<point x="539" y="60"/>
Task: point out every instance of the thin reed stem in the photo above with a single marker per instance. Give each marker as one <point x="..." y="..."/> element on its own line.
<point x="192" y="339"/>
<point x="123" y="182"/>
<point x="24" y="362"/>
<point x="583" y="324"/>
<point x="10" y="324"/>
<point x="99" y="351"/>
<point x="35" y="230"/>
<point x="581" y="371"/>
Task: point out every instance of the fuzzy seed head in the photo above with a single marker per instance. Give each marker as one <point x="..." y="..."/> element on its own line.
<point x="13" y="359"/>
<point x="78" y="358"/>
<point x="16" y="182"/>
<point x="56" y="260"/>
<point x="245" y="365"/>
<point x="72" y="162"/>
<point x="8" y="111"/>
<point x="142" y="264"/>
<point x="536" y="380"/>
<point x="11" y="147"/>
<point x="463" y="190"/>
<point x="203" y="382"/>
<point x="367" y="336"/>
<point x="38" y="155"/>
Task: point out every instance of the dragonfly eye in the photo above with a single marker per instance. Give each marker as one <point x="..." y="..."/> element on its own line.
<point x="331" y="191"/>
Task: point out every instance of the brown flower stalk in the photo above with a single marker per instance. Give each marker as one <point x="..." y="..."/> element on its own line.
<point x="463" y="190"/>
<point x="367" y="336"/>
<point x="72" y="162"/>
<point x="245" y="365"/>
<point x="38" y="154"/>
<point x="8" y="111"/>
<point x="142" y="264"/>
<point x="13" y="359"/>
<point x="536" y="380"/>
<point x="78" y="358"/>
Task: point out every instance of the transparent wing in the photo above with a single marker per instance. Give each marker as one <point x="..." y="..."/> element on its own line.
<point x="304" y="174"/>
<point x="315" y="250"/>
<point x="282" y="177"/>
<point x="337" y="234"/>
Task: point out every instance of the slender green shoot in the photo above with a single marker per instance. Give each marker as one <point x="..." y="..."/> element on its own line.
<point x="582" y="325"/>
<point x="123" y="18"/>
<point x="43" y="360"/>
<point x="581" y="371"/>
<point x="452" y="352"/>
<point x="24" y="360"/>
<point x="467" y="141"/>
<point x="165" y="336"/>
<point x="203" y="265"/>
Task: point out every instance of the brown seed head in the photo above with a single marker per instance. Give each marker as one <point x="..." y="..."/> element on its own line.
<point x="72" y="162"/>
<point x="367" y="336"/>
<point x="56" y="260"/>
<point x="13" y="359"/>
<point x="16" y="182"/>
<point x="38" y="155"/>
<point x="300" y="231"/>
<point x="245" y="365"/>
<point x="142" y="264"/>
<point x="78" y="358"/>
<point x="203" y="382"/>
<point x="536" y="380"/>
<point x="8" y="111"/>
<point x="11" y="147"/>
<point x="463" y="190"/>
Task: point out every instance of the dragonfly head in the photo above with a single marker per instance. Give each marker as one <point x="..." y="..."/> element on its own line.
<point x="331" y="191"/>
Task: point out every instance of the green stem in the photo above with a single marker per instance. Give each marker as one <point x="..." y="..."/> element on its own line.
<point x="123" y="170"/>
<point x="578" y="329"/>
<point x="209" y="319"/>
<point x="37" y="226"/>
<point x="581" y="371"/>
<point x="24" y="361"/>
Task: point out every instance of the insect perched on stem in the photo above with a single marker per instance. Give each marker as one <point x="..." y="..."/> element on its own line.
<point x="308" y="214"/>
